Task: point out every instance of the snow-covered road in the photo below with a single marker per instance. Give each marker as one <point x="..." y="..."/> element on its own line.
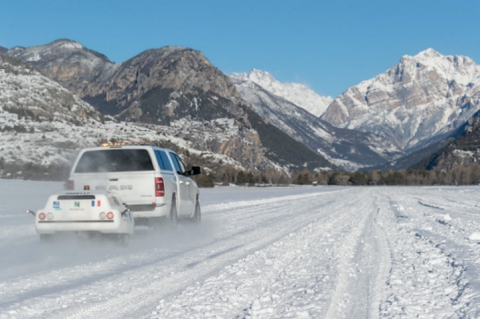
<point x="304" y="252"/>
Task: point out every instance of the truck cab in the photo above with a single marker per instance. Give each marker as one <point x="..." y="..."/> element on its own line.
<point x="151" y="180"/>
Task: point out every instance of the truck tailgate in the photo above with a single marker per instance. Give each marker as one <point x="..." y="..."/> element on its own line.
<point x="138" y="188"/>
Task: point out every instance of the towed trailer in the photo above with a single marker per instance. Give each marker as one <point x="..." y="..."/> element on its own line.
<point x="87" y="212"/>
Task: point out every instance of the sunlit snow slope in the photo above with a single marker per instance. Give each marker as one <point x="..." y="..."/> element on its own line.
<point x="296" y="93"/>
<point x="261" y="253"/>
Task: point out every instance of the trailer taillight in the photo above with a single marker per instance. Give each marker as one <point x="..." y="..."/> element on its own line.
<point x="159" y="187"/>
<point x="70" y="185"/>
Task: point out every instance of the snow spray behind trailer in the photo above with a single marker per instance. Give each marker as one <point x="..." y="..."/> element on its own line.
<point x="96" y="212"/>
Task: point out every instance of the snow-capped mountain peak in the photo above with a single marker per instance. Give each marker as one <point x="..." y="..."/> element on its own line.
<point x="296" y="93"/>
<point x="255" y="75"/>
<point x="428" y="54"/>
<point x="459" y="68"/>
<point x="259" y="76"/>
<point x="415" y="102"/>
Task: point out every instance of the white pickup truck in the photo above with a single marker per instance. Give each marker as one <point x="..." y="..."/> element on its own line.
<point x="152" y="181"/>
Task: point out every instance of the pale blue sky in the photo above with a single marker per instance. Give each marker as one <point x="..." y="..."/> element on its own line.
<point x="328" y="45"/>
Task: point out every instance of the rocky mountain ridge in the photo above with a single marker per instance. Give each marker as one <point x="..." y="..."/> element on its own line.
<point x="66" y="62"/>
<point x="418" y="101"/>
<point x="463" y="151"/>
<point x="43" y="126"/>
<point x="162" y="86"/>
<point x="345" y="148"/>
<point x="26" y="92"/>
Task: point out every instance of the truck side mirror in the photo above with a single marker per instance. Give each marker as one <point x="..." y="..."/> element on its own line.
<point x="196" y="170"/>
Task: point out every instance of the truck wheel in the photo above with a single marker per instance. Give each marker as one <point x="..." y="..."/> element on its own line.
<point x="197" y="218"/>
<point x="173" y="218"/>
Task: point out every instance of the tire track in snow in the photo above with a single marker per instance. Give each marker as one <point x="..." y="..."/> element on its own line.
<point x="384" y="267"/>
<point x="432" y="264"/>
<point x="290" y="278"/>
<point x="360" y="268"/>
<point x="221" y="207"/>
<point x="77" y="278"/>
<point x="170" y="286"/>
<point x="237" y="212"/>
<point x="266" y="215"/>
<point x="425" y="280"/>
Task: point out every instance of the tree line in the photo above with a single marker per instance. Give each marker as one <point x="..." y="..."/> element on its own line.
<point x="217" y="172"/>
<point x="458" y="176"/>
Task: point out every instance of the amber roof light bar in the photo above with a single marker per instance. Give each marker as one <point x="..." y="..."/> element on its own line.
<point x="117" y="144"/>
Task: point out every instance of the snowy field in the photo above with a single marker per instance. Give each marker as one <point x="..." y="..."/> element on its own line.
<point x="305" y="252"/>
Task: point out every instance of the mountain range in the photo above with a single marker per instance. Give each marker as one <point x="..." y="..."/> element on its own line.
<point x="414" y="109"/>
<point x="43" y="125"/>
<point x="348" y="149"/>
<point x="164" y="86"/>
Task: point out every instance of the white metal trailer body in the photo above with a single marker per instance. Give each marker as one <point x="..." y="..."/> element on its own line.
<point x="87" y="211"/>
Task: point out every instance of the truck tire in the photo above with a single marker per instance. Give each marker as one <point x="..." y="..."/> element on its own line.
<point x="197" y="217"/>
<point x="173" y="217"/>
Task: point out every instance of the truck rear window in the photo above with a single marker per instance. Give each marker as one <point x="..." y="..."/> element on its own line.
<point x="63" y="197"/>
<point x="114" y="160"/>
